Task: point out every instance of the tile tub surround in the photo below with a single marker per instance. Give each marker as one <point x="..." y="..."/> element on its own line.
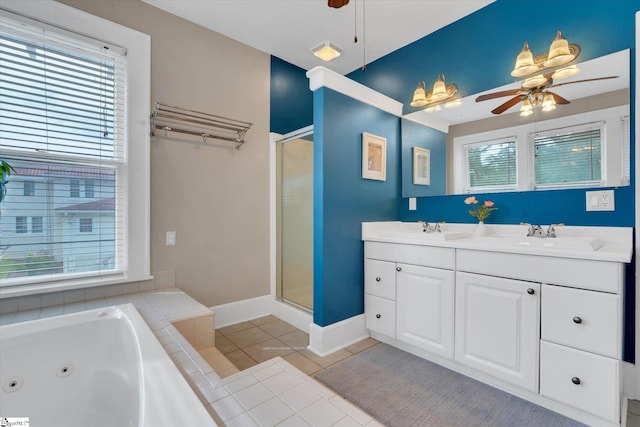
<point x="270" y="393"/>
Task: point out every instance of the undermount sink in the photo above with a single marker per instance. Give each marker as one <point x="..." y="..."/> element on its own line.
<point x="420" y="235"/>
<point x="567" y="242"/>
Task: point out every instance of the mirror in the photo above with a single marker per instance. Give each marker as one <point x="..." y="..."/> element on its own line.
<point x="471" y="117"/>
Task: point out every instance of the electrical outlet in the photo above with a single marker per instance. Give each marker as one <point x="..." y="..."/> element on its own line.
<point x="412" y="203"/>
<point x="600" y="200"/>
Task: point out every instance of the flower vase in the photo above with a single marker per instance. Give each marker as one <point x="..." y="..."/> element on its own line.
<point x="481" y="229"/>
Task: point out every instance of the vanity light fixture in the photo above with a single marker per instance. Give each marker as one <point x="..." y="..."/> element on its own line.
<point x="560" y="53"/>
<point x="327" y="51"/>
<point x="440" y="92"/>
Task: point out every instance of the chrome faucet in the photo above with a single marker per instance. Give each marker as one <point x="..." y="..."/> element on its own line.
<point x="430" y="228"/>
<point x="551" y="230"/>
<point x="535" y="230"/>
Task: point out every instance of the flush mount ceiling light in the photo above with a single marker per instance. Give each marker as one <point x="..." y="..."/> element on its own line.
<point x="440" y="92"/>
<point x="560" y="53"/>
<point x="327" y="51"/>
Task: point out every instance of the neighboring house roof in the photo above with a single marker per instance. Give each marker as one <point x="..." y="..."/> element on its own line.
<point x="64" y="171"/>
<point x="96" y="205"/>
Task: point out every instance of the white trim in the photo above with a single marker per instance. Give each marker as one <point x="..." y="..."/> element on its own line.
<point x="636" y="393"/>
<point x="254" y="308"/>
<point x="328" y="339"/>
<point x="241" y="311"/>
<point x="273" y="247"/>
<point x="429" y="120"/>
<point x="324" y="77"/>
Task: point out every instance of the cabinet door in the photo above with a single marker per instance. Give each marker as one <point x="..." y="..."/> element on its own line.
<point x="498" y="327"/>
<point x="424" y="308"/>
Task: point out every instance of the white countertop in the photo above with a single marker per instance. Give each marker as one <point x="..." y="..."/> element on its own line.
<point x="591" y="243"/>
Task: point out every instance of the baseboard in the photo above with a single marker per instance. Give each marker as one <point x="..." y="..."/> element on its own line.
<point x="249" y="309"/>
<point x="631" y="388"/>
<point x="328" y="339"/>
<point x="241" y="311"/>
<point x="298" y="318"/>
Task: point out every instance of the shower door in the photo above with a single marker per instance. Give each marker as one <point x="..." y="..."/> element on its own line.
<point x="295" y="221"/>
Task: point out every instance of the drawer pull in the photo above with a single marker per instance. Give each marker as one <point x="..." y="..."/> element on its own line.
<point x="378" y="279"/>
<point x="398" y="268"/>
<point x="531" y="291"/>
<point x="577" y="319"/>
<point x="378" y="316"/>
<point x="575" y="380"/>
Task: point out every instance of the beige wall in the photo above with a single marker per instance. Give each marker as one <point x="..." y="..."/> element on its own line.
<point x="215" y="198"/>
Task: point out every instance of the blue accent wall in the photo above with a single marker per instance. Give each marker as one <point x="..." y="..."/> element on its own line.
<point x="291" y="100"/>
<point x="343" y="199"/>
<point x="476" y="53"/>
<point x="417" y="135"/>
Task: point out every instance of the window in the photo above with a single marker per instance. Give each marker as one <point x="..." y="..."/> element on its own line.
<point x="29" y="189"/>
<point x="568" y="156"/>
<point x="88" y="188"/>
<point x="491" y="165"/>
<point x="68" y="111"/>
<point x="583" y="150"/>
<point x="74" y="188"/>
<point x="36" y="224"/>
<point x="21" y="224"/>
<point x="86" y="225"/>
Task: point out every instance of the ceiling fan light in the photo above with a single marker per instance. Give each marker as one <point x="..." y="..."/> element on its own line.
<point x="524" y="62"/>
<point x="419" y="95"/>
<point x="559" y="52"/>
<point x="327" y="51"/>
<point x="526" y="109"/>
<point x="534" y="82"/>
<point x="565" y="72"/>
<point x="548" y="102"/>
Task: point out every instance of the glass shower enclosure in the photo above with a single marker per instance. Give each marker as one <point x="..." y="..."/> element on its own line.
<point x="294" y="219"/>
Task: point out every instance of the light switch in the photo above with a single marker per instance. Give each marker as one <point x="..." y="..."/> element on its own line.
<point x="603" y="200"/>
<point x="171" y="238"/>
<point x="412" y="203"/>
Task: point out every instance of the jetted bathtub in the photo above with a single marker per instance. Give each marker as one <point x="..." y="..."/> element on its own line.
<point x="99" y="368"/>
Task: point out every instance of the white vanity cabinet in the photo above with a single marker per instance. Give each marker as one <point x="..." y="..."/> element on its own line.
<point x="409" y="295"/>
<point x="497" y="327"/>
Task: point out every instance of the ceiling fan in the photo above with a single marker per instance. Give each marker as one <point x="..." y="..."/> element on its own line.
<point x="533" y="92"/>
<point x="338" y="3"/>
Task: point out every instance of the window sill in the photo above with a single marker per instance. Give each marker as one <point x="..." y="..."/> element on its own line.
<point x="87" y="282"/>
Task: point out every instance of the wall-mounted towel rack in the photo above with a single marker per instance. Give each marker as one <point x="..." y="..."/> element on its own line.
<point x="168" y="118"/>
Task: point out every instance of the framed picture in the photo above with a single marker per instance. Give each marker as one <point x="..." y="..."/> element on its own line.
<point x="421" y="166"/>
<point x="374" y="157"/>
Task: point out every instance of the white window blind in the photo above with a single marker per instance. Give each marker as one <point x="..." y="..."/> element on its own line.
<point x="569" y="156"/>
<point x="63" y="126"/>
<point x="491" y="165"/>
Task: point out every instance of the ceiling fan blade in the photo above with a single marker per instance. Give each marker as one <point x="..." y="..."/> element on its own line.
<point x="558" y="98"/>
<point x="500" y="94"/>
<point x="586" y="80"/>
<point x="510" y="103"/>
<point x="338" y="3"/>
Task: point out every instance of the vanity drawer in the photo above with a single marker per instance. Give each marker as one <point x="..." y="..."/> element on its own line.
<point x="380" y="278"/>
<point x="380" y="315"/>
<point x="586" y="320"/>
<point x="581" y="379"/>
<point x="426" y="256"/>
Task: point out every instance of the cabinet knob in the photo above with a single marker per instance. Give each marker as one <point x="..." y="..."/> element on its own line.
<point x="575" y="380"/>
<point x="378" y="316"/>
<point x="531" y="291"/>
<point x="398" y="268"/>
<point x="378" y="279"/>
<point x="577" y="319"/>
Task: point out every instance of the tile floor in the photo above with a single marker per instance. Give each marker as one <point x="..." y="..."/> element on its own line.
<point x="249" y="343"/>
